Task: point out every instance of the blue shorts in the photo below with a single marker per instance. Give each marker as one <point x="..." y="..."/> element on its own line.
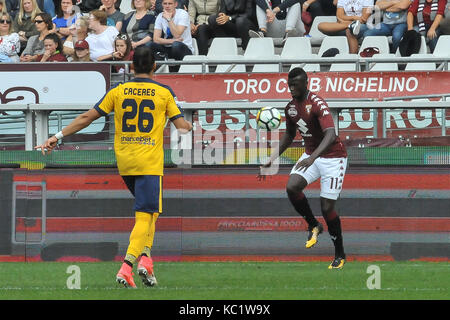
<point x="147" y="191"/>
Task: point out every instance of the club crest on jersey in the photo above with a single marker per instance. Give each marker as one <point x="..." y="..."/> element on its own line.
<point x="292" y="111"/>
<point x="308" y="108"/>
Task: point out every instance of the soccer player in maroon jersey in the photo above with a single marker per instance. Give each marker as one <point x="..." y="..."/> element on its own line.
<point x="325" y="157"/>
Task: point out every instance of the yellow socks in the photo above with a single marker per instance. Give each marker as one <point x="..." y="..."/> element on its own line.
<point x="142" y="235"/>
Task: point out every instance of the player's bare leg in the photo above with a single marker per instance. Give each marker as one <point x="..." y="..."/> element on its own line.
<point x="294" y="189"/>
<point x="334" y="228"/>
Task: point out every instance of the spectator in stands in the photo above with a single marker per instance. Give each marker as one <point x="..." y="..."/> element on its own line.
<point x="181" y="4"/>
<point x="81" y="53"/>
<point x="393" y="21"/>
<point x="115" y="17"/>
<point x="12" y="7"/>
<point x="87" y="6"/>
<point x="53" y="50"/>
<point x="269" y="14"/>
<point x="47" y="6"/>
<point x="139" y="23"/>
<point x="23" y="24"/>
<point x="2" y="7"/>
<point x="123" y="51"/>
<point x="78" y="31"/>
<point x="35" y="44"/>
<point x="235" y="19"/>
<point x="101" y="40"/>
<point x="426" y="19"/>
<point x="9" y="40"/>
<point x="315" y="8"/>
<point x="347" y="12"/>
<point x="172" y="36"/>
<point x="199" y="11"/>
<point x="65" y="17"/>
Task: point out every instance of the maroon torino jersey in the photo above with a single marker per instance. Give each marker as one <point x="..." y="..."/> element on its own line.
<point x="311" y="118"/>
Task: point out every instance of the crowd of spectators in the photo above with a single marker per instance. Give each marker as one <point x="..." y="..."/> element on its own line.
<point x="96" y="30"/>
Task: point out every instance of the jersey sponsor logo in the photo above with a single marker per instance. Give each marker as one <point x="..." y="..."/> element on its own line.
<point x="302" y="126"/>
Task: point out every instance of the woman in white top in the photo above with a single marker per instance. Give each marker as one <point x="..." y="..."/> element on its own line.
<point x="101" y="40"/>
<point x="9" y="41"/>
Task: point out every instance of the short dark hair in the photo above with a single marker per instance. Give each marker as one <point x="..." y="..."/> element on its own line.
<point x="54" y="37"/>
<point x="296" y="72"/>
<point x="143" y="60"/>
<point x="47" y="19"/>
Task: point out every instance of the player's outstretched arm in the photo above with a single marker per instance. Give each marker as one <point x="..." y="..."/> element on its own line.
<point x="182" y="125"/>
<point x="79" y="123"/>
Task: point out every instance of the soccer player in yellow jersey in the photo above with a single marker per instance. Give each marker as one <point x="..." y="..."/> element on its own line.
<point x="140" y="109"/>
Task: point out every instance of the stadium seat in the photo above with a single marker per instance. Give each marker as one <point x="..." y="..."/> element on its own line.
<point x="345" y="66"/>
<point x="383" y="66"/>
<point x="295" y="47"/>
<point x="423" y="48"/>
<point x="267" y="67"/>
<point x="442" y="48"/>
<point x="316" y="35"/>
<point x="235" y="67"/>
<point x="381" y="42"/>
<point x="339" y="42"/>
<point x="259" y="48"/>
<point x="195" y="46"/>
<point x="420" y="66"/>
<point x="193" y="68"/>
<point x="222" y="46"/>
<point x="308" y="67"/>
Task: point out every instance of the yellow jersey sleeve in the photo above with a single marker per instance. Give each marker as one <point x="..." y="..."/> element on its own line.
<point x="173" y="110"/>
<point x="107" y="102"/>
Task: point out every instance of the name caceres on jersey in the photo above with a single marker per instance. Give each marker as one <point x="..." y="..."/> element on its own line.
<point x="311" y="118"/>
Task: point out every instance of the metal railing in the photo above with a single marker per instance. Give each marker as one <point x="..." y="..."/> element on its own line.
<point x="37" y="115"/>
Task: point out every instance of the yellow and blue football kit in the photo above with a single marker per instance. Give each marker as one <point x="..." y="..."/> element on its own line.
<point x="140" y="109"/>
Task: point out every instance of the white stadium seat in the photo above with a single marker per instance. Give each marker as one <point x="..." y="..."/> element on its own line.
<point x="316" y="35"/>
<point x="381" y="42"/>
<point x="344" y="66"/>
<point x="193" y="68"/>
<point x="338" y="42"/>
<point x="267" y="67"/>
<point x="259" y="48"/>
<point x="222" y="46"/>
<point x="442" y="48"/>
<point x="383" y="66"/>
<point x="230" y="67"/>
<point x="420" y="66"/>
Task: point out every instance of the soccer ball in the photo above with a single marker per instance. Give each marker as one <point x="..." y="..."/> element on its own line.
<point x="268" y="118"/>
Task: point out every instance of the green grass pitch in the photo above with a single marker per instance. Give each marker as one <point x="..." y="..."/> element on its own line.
<point x="229" y="281"/>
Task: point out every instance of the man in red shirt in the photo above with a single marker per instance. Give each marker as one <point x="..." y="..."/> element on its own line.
<point x="425" y="16"/>
<point x="325" y="157"/>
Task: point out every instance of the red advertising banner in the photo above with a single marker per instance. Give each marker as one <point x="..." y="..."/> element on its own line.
<point x="253" y="86"/>
<point x="353" y="124"/>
